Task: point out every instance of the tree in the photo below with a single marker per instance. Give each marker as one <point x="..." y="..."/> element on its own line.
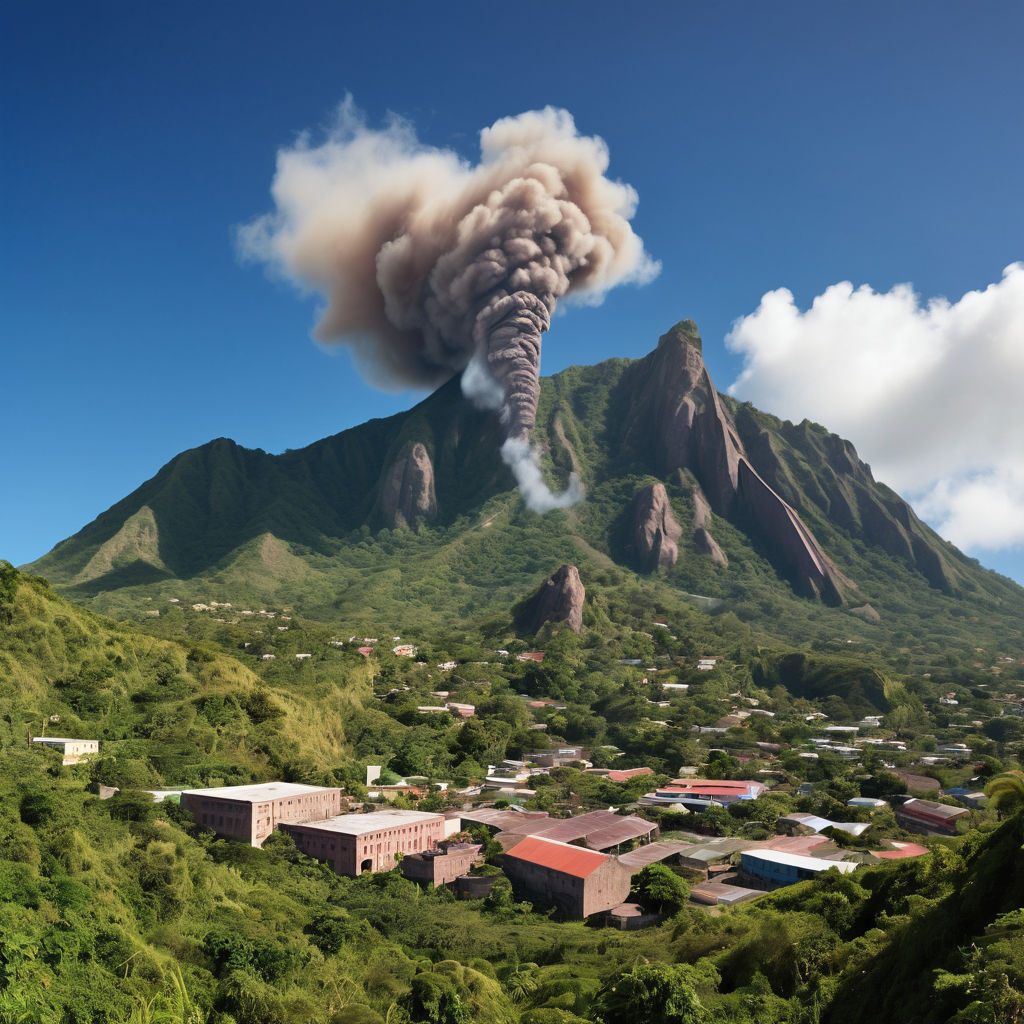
<point x="660" y="888"/>
<point x="653" y="994"/>
<point x="1006" y="792"/>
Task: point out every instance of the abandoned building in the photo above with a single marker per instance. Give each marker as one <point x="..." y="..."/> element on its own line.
<point x="581" y="882"/>
<point x="442" y="865"/>
<point x="354" y="843"/>
<point x="251" y="813"/>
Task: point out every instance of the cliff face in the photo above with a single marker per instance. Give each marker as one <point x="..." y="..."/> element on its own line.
<point x="655" y="530"/>
<point x="702" y="533"/>
<point x="560" y="599"/>
<point x="407" y="493"/>
<point x="685" y="425"/>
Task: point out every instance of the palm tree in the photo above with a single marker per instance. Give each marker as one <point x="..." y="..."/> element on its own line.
<point x="1006" y="791"/>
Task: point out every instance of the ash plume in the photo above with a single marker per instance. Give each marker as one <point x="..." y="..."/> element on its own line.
<point x="432" y="266"/>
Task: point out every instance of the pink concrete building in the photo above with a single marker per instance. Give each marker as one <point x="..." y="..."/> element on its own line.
<point x="441" y="866"/>
<point x="251" y="813"/>
<point x="354" y="843"/>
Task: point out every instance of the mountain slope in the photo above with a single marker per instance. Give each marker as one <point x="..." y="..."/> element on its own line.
<point x="768" y="512"/>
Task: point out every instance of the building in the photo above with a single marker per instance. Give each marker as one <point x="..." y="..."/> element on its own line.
<point x="581" y="882"/>
<point x="354" y="843"/>
<point x="799" y="821"/>
<point x="441" y="866"/>
<point x="74" y="751"/>
<point x="251" y="813"/>
<point x="773" y="869"/>
<point x="699" y="794"/>
<point x="926" y="816"/>
<point x="556" y="757"/>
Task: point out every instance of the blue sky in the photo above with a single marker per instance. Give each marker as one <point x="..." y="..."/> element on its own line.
<point x="785" y="145"/>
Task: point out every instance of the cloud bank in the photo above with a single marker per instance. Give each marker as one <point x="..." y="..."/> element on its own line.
<point x="430" y="264"/>
<point x="931" y="393"/>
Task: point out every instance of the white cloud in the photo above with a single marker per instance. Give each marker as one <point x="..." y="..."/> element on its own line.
<point x="931" y="393"/>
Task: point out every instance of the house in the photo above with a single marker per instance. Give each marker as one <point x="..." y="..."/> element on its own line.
<point x="537" y="656"/>
<point x="922" y="783"/>
<point x="814" y="823"/>
<point x="354" y="843"/>
<point x="556" y="756"/>
<point x="581" y="882"/>
<point x="252" y="812"/>
<point x="772" y="869"/>
<point x="74" y="751"/>
<point x="926" y="816"/>
<point x="442" y="865"/>
<point x="698" y="794"/>
<point x="619" y="774"/>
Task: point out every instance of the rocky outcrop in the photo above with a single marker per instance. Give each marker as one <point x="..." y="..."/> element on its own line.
<point x="656" y="532"/>
<point x="560" y="599"/>
<point x="867" y="613"/>
<point x="407" y="494"/>
<point x="701" y="530"/>
<point x="679" y="417"/>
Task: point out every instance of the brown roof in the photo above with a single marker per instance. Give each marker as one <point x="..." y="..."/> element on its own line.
<point x="569" y="860"/>
<point x="922" y="782"/>
<point x="652" y="853"/>
<point x="521" y="822"/>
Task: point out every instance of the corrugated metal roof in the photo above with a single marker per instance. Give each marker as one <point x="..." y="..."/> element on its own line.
<point x="506" y="821"/>
<point x="796" y="861"/>
<point x="570" y="860"/>
<point x="652" y="853"/>
<point x="599" y="829"/>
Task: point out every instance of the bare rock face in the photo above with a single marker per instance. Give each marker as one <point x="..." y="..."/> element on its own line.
<point x="560" y="599"/>
<point x="867" y="613"/>
<point x="702" y="534"/>
<point x="407" y="494"/>
<point x="655" y="530"/>
<point x="681" y="419"/>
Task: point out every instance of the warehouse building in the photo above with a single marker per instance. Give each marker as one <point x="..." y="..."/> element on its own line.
<point x="251" y="813"/>
<point x="354" y="843"/>
<point x="581" y="882"/>
<point x="772" y="869"/>
<point x="928" y="817"/>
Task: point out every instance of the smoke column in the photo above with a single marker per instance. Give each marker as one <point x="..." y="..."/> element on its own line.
<point x="431" y="265"/>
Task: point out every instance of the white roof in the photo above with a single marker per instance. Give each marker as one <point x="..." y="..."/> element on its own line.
<point x="796" y="860"/>
<point x="259" y="792"/>
<point x="375" y="821"/>
<point x="58" y="739"/>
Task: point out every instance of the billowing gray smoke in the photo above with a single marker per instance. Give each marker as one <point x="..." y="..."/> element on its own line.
<point x="431" y="266"/>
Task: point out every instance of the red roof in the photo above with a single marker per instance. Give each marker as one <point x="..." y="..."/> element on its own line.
<point x="570" y="860"/>
<point x="621" y="774"/>
<point x="532" y="656"/>
<point x="902" y="850"/>
<point x="740" y="784"/>
<point x="698" y="791"/>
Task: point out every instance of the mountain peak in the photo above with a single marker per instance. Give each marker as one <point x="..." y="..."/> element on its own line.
<point x="684" y="332"/>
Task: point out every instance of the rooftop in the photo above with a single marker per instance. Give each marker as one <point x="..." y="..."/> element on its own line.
<point x="797" y="861"/>
<point x="375" y="821"/>
<point x="570" y="860"/>
<point x="260" y="791"/>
